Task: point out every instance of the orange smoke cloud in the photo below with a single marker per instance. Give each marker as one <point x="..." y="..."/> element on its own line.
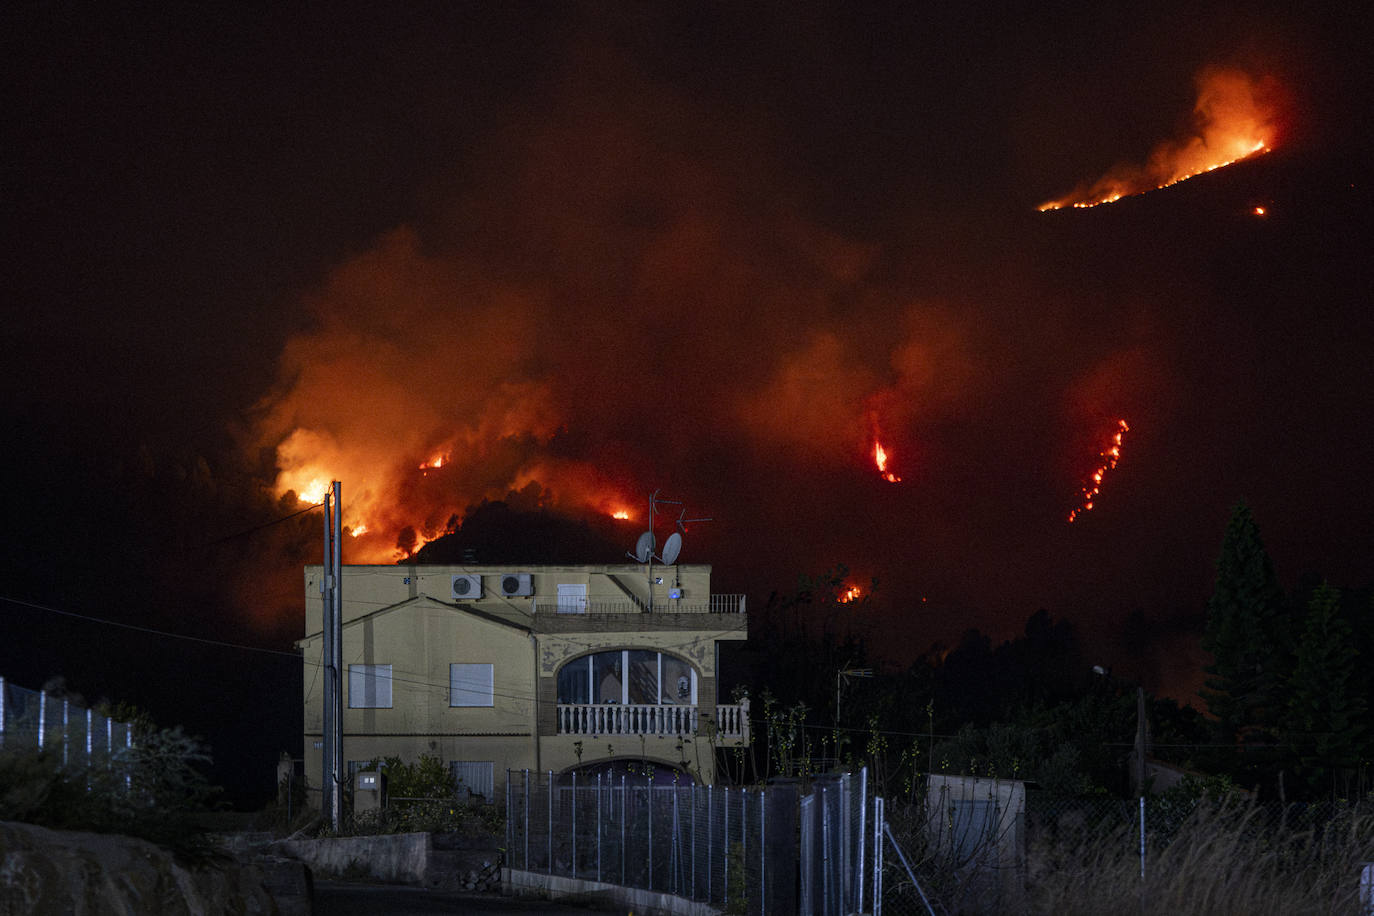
<point x="1235" y="117"/>
<point x="580" y="322"/>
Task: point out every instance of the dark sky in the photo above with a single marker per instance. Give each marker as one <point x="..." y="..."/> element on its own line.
<point x="717" y="249"/>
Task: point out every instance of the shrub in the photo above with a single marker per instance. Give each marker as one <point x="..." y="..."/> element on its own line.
<point x="151" y="790"/>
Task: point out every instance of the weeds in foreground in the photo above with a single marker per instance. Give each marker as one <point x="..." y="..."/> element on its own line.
<point x="1225" y="858"/>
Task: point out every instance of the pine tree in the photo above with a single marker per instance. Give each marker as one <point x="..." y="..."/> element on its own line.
<point x="1327" y="712"/>
<point x="1248" y="635"/>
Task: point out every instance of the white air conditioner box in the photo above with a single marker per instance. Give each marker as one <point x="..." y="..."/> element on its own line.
<point x="516" y="585"/>
<point x="467" y="586"/>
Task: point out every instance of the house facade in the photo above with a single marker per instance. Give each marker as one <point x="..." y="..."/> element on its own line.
<point x="562" y="668"/>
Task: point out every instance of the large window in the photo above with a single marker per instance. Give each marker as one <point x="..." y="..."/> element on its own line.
<point x="470" y="685"/>
<point x="369" y="686"/>
<point x="634" y="676"/>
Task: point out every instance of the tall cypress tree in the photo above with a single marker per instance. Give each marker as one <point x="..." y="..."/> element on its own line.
<point x="1327" y="711"/>
<point x="1248" y="635"/>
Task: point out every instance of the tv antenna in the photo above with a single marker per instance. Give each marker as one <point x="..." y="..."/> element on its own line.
<point x="672" y="547"/>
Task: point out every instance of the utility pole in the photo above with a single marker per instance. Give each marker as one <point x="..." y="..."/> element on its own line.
<point x="331" y="657"/>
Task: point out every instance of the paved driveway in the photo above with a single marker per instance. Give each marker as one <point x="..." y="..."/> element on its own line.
<point x="341" y="898"/>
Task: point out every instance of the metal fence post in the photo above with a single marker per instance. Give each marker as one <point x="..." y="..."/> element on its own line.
<point x="649" y="795"/>
<point x="763" y="851"/>
<point x="825" y="852"/>
<point x="574" y="824"/>
<point x="510" y="826"/>
<point x="42" y="716"/>
<point x="845" y="882"/>
<point x="710" y="838"/>
<point x="1142" y="837"/>
<point x="88" y="736"/>
<point x="877" y="857"/>
<point x="693" y="895"/>
<point x="623" y="818"/>
<point x="2" y="713"/>
<point x="725" y="850"/>
<point x="66" y="729"/>
<point x="598" y="827"/>
<point x="527" y="819"/>
<point x="549" y="824"/>
<point x="863" y="815"/>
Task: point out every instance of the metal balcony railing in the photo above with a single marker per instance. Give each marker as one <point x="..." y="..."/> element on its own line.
<point x="713" y="604"/>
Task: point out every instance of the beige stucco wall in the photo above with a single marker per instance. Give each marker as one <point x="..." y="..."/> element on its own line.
<point x="370" y="587"/>
<point x="407" y="617"/>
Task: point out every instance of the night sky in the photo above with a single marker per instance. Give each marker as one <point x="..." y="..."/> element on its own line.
<point x="590" y="251"/>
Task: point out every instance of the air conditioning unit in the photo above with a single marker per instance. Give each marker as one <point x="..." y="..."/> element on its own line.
<point x="467" y="586"/>
<point x="516" y="585"/>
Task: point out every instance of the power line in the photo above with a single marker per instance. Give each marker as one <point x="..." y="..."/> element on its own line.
<point x="154" y="632"/>
<point x="247" y="531"/>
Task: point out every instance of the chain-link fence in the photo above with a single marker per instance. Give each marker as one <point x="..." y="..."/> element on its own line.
<point x="34" y="719"/>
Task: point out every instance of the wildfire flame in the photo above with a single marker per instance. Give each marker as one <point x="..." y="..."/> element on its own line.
<point x="1110" y="456"/>
<point x="621" y="514"/>
<point x="1233" y="120"/>
<point x="851" y="593"/>
<point x="310" y="493"/>
<point x="880" y="459"/>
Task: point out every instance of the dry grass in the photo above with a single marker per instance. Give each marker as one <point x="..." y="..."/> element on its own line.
<point x="1223" y="860"/>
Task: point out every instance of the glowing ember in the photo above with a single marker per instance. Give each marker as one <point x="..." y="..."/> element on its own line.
<point x="1110" y="456"/>
<point x="1259" y="211"/>
<point x="435" y="462"/>
<point x="1233" y="121"/>
<point x="852" y="593"/>
<point x="880" y="457"/>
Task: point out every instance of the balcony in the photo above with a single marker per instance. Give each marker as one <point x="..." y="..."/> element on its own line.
<point x="711" y="604"/>
<point x="596" y="719"/>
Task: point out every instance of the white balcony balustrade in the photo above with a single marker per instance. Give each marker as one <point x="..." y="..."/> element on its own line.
<point x="732" y="722"/>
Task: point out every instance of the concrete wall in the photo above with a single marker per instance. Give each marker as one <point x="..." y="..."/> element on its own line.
<point x="401" y="858"/>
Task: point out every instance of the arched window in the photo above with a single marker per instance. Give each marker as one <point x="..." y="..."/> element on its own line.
<point x="630" y="676"/>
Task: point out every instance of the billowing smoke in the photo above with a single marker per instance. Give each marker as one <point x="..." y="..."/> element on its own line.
<point x="627" y="287"/>
<point x="625" y="295"/>
<point x="1236" y="116"/>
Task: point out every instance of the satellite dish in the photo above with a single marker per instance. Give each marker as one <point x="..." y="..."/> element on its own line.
<point x="671" y="548"/>
<point x="644" y="547"/>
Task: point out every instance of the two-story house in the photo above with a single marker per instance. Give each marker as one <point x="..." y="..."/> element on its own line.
<point x="560" y="668"/>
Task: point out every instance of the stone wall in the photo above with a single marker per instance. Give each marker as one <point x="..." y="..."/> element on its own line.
<point x="55" y="871"/>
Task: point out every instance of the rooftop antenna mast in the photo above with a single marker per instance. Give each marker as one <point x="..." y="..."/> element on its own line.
<point x="672" y="547"/>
